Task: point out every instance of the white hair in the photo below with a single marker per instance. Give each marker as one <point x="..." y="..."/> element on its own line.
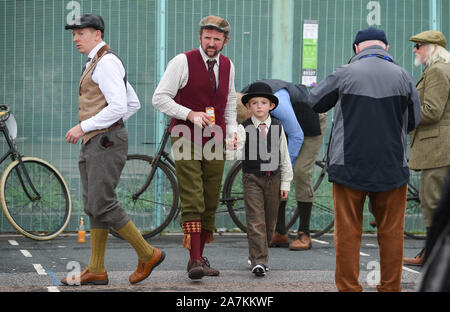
<point x="436" y="53"/>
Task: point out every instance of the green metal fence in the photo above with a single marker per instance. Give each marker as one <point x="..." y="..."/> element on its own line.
<point x="40" y="67"/>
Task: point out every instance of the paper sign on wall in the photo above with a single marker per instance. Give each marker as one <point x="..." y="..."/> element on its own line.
<point x="309" y="55"/>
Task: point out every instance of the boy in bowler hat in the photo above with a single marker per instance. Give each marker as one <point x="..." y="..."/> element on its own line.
<point x="267" y="171"/>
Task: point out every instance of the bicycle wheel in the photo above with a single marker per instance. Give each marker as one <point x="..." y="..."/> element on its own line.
<point x="233" y="194"/>
<point x="322" y="213"/>
<point x="150" y="204"/>
<point x="42" y="217"/>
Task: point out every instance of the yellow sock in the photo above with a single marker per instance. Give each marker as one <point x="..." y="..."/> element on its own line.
<point x="98" y="248"/>
<point x="130" y="233"/>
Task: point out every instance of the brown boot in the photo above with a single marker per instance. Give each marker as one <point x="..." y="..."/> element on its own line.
<point x="417" y="260"/>
<point x="279" y="240"/>
<point x="195" y="269"/>
<point x="301" y="242"/>
<point x="207" y="269"/>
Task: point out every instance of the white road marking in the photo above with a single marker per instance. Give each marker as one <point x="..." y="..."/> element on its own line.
<point x="364" y="254"/>
<point x="410" y="270"/>
<point x="320" y="242"/>
<point x="13" y="242"/>
<point x="39" y="269"/>
<point x="53" y="289"/>
<point x="371" y="245"/>
<point x="26" y="253"/>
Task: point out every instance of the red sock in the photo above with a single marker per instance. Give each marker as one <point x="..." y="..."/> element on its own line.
<point x="192" y="239"/>
<point x="203" y="236"/>
<point x="195" y="252"/>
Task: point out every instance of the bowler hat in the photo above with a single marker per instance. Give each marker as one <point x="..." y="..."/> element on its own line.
<point x="259" y="89"/>
<point x="370" y="33"/>
<point x="87" y="20"/>
<point x="430" y="36"/>
<point x="215" y="22"/>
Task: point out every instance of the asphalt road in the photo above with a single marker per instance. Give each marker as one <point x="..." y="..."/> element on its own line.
<point x="37" y="266"/>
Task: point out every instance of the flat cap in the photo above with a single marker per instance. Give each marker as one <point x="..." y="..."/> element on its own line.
<point x="87" y="20"/>
<point x="430" y="36"/>
<point x="216" y="22"/>
<point x="370" y="33"/>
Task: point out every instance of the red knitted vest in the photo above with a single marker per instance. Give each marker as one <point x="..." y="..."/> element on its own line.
<point x="198" y="94"/>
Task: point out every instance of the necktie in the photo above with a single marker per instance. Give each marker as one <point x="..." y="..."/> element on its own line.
<point x="262" y="127"/>
<point x="212" y="76"/>
<point x="85" y="64"/>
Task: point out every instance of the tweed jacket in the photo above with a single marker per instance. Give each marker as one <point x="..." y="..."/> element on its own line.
<point x="430" y="141"/>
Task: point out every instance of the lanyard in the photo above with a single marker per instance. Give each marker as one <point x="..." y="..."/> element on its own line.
<point x="384" y="57"/>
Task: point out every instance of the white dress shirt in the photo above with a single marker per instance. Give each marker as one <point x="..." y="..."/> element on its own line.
<point x="122" y="103"/>
<point x="285" y="161"/>
<point x="176" y="77"/>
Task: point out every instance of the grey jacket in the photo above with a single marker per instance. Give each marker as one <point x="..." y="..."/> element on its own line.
<point x="375" y="105"/>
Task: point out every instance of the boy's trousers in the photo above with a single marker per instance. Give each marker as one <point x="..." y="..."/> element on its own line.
<point x="262" y="199"/>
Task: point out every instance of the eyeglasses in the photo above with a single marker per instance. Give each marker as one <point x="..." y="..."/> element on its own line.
<point x="418" y="45"/>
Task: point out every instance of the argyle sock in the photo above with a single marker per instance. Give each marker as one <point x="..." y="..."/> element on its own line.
<point x="192" y="239"/>
<point x="304" y="211"/>
<point x="132" y="235"/>
<point x="99" y="238"/>
<point x="280" y="228"/>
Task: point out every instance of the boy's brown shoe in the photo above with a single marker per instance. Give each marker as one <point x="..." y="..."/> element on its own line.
<point x="144" y="269"/>
<point x="417" y="260"/>
<point x="301" y="242"/>
<point x="88" y="278"/>
<point x="279" y="240"/>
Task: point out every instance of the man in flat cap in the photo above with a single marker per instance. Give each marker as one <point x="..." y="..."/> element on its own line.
<point x="106" y="99"/>
<point x="430" y="142"/>
<point x="197" y="91"/>
<point x="375" y="105"/>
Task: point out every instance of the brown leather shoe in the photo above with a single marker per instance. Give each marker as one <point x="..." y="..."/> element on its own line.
<point x="279" y="240"/>
<point x="417" y="260"/>
<point x="301" y="242"/>
<point x="195" y="269"/>
<point x="207" y="269"/>
<point x="88" y="278"/>
<point x="143" y="270"/>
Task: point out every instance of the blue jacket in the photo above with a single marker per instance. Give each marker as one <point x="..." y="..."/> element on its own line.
<point x="375" y="105"/>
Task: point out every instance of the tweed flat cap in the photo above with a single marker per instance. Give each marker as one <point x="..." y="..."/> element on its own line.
<point x="87" y="20"/>
<point x="430" y="36"/>
<point x="216" y="22"/>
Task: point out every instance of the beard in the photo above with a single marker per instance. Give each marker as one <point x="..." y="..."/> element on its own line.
<point x="417" y="61"/>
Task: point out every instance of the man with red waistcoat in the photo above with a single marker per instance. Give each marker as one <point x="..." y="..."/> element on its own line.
<point x="197" y="92"/>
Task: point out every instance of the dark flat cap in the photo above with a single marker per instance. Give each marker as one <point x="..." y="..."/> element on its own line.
<point x="87" y="20"/>
<point x="430" y="36"/>
<point x="216" y="22"/>
<point x="370" y="33"/>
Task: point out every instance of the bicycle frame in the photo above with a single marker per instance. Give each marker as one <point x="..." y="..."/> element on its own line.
<point x="15" y="155"/>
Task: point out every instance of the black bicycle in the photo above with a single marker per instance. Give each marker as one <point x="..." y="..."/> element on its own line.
<point x="34" y="196"/>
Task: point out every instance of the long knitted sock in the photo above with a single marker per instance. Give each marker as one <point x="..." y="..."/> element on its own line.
<point x="205" y="237"/>
<point x="99" y="238"/>
<point x="130" y="233"/>
<point x="304" y="211"/>
<point x="280" y="228"/>
<point x="192" y="239"/>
